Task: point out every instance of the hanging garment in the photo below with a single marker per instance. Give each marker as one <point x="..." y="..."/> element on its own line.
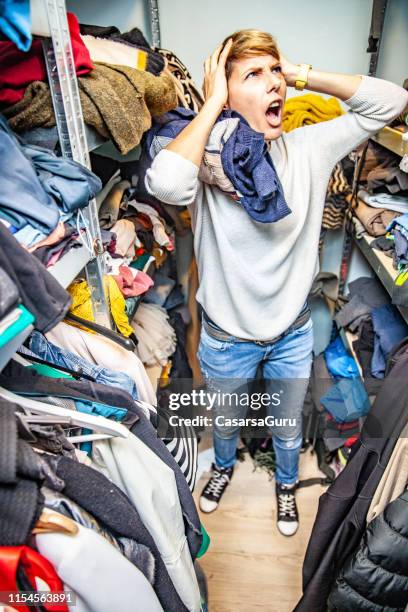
<point x="82" y="305"/>
<point x="234" y="152"/>
<point x="109" y="92"/>
<point x="136" y="553"/>
<point x="40" y="293"/>
<point x="343" y="509"/>
<point x="21" y="565"/>
<point x="104" y="352"/>
<point x="18" y="69"/>
<point x="125" y="238"/>
<point x="99" y="575"/>
<point x="156" y="337"/>
<point x="91" y="490"/>
<point x="150" y="485"/>
<point x="133" y="38"/>
<point x="365" y="293"/>
<point x="308" y="109"/>
<point x="376" y="576"/>
<point x="394" y="480"/>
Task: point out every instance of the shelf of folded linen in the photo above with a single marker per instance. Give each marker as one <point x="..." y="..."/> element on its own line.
<point x="348" y="339"/>
<point x="14" y="329"/>
<point x="393" y="139"/>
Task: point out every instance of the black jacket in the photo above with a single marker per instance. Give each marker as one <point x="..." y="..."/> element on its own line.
<point x="376" y="576"/>
<point x="341" y="517"/>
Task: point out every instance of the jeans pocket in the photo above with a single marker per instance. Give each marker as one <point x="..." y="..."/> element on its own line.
<point x="214" y="344"/>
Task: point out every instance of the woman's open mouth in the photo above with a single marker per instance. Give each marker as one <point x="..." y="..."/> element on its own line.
<point x="274" y="113"/>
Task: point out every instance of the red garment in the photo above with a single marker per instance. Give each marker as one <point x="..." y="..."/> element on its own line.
<point x="34" y="565"/>
<point x="19" y="69"/>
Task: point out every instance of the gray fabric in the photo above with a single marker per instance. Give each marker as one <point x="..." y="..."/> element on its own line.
<point x="366" y="293"/>
<point x="8" y="293"/>
<point x="138" y="554"/>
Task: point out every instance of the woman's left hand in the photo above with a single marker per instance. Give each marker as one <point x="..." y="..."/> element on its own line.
<point x="289" y="70"/>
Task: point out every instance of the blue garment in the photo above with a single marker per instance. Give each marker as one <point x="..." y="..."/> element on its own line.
<point x="402" y="221"/>
<point x="229" y="366"/>
<point x="22" y="197"/>
<point x="15" y="22"/>
<point x="347" y="400"/>
<point x="390" y="329"/>
<point x="248" y="165"/>
<point x="245" y="160"/>
<point x="117" y="414"/>
<point x="44" y="349"/>
<point x="70" y="184"/>
<point x="45" y="184"/>
<point x="339" y="362"/>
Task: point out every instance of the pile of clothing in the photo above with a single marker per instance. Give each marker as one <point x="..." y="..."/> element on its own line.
<point x="40" y="195"/>
<point x="378" y="325"/>
<point x="118" y="85"/>
<point x="64" y="388"/>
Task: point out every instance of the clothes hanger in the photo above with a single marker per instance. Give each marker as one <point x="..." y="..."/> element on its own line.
<point x="54" y="522"/>
<point x="89" y="421"/>
<point x="25" y="360"/>
<point x="128" y="343"/>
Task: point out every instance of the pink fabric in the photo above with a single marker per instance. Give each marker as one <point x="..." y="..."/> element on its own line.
<point x="132" y="282"/>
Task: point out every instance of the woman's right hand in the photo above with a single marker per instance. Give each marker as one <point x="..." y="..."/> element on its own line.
<point x="215" y="85"/>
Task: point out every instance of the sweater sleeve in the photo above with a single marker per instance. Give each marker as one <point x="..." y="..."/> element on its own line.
<point x="172" y="179"/>
<point x="375" y="104"/>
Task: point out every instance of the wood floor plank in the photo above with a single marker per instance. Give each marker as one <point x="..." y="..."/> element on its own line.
<point x="250" y="565"/>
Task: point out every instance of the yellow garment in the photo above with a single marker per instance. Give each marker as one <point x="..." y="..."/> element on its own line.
<point x="82" y="307"/>
<point x="308" y="109"/>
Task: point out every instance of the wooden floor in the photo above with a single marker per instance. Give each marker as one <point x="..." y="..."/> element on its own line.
<point x="250" y="565"/>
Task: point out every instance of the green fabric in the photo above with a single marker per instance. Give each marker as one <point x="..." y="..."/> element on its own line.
<point x="46" y="370"/>
<point x="205" y="543"/>
<point x="140" y="262"/>
<point x="24" y="320"/>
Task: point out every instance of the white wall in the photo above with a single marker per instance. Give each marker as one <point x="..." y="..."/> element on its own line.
<point x="393" y="60"/>
<point x="328" y="34"/>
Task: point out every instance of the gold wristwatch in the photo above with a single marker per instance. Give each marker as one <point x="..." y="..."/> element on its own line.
<point x="301" y="79"/>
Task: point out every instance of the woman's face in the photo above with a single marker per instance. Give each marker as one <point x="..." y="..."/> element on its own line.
<point x="257" y="90"/>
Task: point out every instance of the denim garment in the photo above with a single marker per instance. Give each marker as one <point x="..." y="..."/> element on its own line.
<point x="229" y="365"/>
<point x="245" y="160"/>
<point x="70" y="184"/>
<point x="33" y="205"/>
<point x="390" y="329"/>
<point x="44" y="349"/>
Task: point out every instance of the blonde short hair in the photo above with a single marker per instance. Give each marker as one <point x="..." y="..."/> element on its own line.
<point x="249" y="43"/>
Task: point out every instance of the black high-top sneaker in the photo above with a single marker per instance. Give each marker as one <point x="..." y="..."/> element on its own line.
<point x="288" y="517"/>
<point x="215" y="487"/>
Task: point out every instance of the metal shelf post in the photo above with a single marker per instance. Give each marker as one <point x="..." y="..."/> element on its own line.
<point x="154" y="22"/>
<point x="71" y="130"/>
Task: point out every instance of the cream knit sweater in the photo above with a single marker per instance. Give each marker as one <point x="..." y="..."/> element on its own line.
<point x="255" y="277"/>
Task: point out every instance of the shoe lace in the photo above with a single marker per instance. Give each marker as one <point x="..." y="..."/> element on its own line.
<point x="217" y="483"/>
<point x="287" y="504"/>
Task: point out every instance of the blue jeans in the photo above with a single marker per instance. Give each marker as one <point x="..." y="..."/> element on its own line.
<point x="229" y="365"/>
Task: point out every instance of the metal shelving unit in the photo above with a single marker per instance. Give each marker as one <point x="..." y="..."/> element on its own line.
<point x="382" y="266"/>
<point x="7" y="351"/>
<point x="69" y="266"/>
<point x="71" y="131"/>
<point x="393" y="139"/>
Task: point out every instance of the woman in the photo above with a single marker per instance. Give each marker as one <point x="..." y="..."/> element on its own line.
<point x="255" y="277"/>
